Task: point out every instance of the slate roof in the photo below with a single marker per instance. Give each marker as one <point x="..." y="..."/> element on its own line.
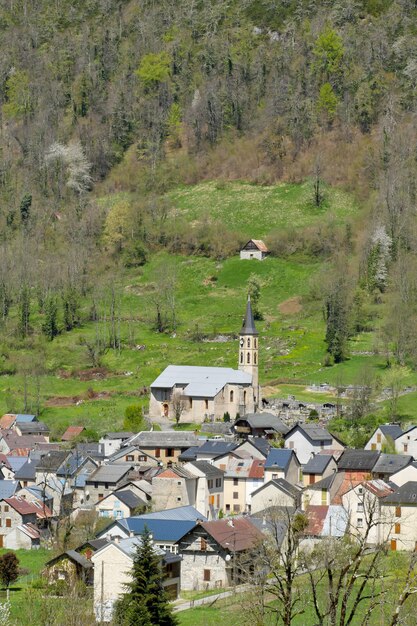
<point x="179" y="513"/>
<point x="317" y="464"/>
<point x="119" y="435"/>
<point x="161" y="529"/>
<point x="189" y="455"/>
<point x="52" y="461"/>
<point x="391" y="463"/>
<point x="72" y="432"/>
<point x="264" y="420"/>
<point x="235" y="534"/>
<point x="109" y="473"/>
<point x="391" y="430"/>
<point x="207" y="468"/>
<point x="261" y="444"/>
<point x="248" y="325"/>
<point x="91" y="449"/>
<point x="313" y="432"/>
<point x="73" y="556"/>
<point x="359" y="460"/>
<point x="164" y="438"/>
<point x="282" y="485"/>
<point x="203" y="382"/>
<point x="28" y="428"/>
<point x="8" y="488"/>
<point x="215" y="448"/>
<point x="129" y="498"/>
<point x="16" y="462"/>
<point x="407" y="494"/>
<point x="28" y="470"/>
<point x="279" y="458"/>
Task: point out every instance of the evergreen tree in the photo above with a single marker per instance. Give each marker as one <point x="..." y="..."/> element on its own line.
<point x="24" y="310"/>
<point x="254" y="290"/>
<point x="70" y="307"/>
<point x="337" y="320"/>
<point x="146" y="603"/>
<point x="25" y="205"/>
<point x="50" y="326"/>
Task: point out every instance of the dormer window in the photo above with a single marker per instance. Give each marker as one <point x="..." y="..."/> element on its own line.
<point x="248" y="343"/>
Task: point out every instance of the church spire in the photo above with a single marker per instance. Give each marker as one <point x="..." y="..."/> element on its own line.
<point x="248" y="326"/>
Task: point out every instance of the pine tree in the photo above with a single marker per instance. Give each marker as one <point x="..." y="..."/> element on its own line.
<point x="146" y="603"/>
<point x="50" y="326"/>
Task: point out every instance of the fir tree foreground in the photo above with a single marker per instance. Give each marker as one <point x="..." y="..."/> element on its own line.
<point x="145" y="602"/>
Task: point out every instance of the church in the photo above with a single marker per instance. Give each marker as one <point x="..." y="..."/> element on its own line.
<point x="194" y="394"/>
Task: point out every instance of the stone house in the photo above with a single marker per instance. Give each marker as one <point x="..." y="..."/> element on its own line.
<point x="254" y="249"/>
<point x="103" y="481"/>
<point x="16" y="511"/>
<point x="357" y="465"/>
<point x="70" y="567"/>
<point x="25" y="536"/>
<point x="134" y="455"/>
<point x="260" y="425"/>
<point x="386" y="434"/>
<point x="282" y="463"/>
<point x="211" y="550"/>
<point x="32" y="428"/>
<point x="323" y="492"/>
<point x="209" y="488"/>
<point x="174" y="486"/>
<point x="112" y="565"/>
<point x="308" y="439"/>
<point x="164" y="446"/>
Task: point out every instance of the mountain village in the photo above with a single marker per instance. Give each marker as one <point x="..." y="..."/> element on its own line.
<point x="207" y="501"/>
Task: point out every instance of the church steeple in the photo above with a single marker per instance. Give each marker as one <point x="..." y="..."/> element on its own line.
<point x="248" y="351"/>
<point x="248" y="326"/>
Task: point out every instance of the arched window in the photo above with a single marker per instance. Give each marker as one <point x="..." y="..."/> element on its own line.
<point x="248" y="342"/>
<point x="254" y="358"/>
<point x="248" y="357"/>
<point x="244" y="397"/>
<point x="231" y="396"/>
<point x="206" y="404"/>
<point x="254" y="343"/>
<point x="241" y="357"/>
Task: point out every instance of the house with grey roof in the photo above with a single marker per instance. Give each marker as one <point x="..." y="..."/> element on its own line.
<point x="260" y="425"/>
<point x="389" y="464"/>
<point x="406" y="442"/>
<point x="384" y="435"/>
<point x="358" y="464"/>
<point x="134" y="455"/>
<point x="174" y="486"/>
<point x="195" y="393"/>
<point x="318" y="467"/>
<point x="400" y="509"/>
<point x="32" y="428"/>
<point x="103" y="481"/>
<point x="212" y="449"/>
<point x="120" y="504"/>
<point x="275" y="493"/>
<point x="308" y="439"/>
<point x="165" y="446"/>
<point x="111" y="442"/>
<point x="282" y="463"/>
<point x="112" y="564"/>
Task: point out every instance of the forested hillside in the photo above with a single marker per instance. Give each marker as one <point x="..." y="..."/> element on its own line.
<point x="137" y="135"/>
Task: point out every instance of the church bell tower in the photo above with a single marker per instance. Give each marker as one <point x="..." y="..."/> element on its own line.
<point x="248" y="350"/>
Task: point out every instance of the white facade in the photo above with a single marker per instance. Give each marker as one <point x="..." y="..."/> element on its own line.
<point x="269" y="496"/>
<point x="404" y="475"/>
<point x="407" y="443"/>
<point x="304" y="447"/>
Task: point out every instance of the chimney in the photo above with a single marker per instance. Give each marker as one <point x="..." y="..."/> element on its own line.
<point x="116" y="539"/>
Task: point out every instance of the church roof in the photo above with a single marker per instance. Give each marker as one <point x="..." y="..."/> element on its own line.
<point x="200" y="381"/>
<point x="248" y="326"/>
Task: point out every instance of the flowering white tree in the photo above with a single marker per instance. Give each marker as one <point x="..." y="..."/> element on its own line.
<point x="74" y="163"/>
<point x="379" y="258"/>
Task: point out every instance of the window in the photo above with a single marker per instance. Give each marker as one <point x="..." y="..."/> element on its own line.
<point x="157" y="453"/>
<point x="254" y="343"/>
<point x="191" y="403"/>
<point x="324" y="497"/>
<point x="210" y="484"/>
<point x="95" y="485"/>
<point x="248" y="342"/>
<point x="218" y="482"/>
<point x="203" y="544"/>
<point x="228" y="508"/>
<point x="206" y="575"/>
<point x="179" y="499"/>
<point x="244" y="397"/>
<point x="235" y="495"/>
<point x="236" y="508"/>
<point x="397" y="528"/>
<point x="143" y="457"/>
<point x="241" y="357"/>
<point x="235" y="482"/>
<point x="378" y="438"/>
<point x="291" y="445"/>
<point x="106" y="485"/>
<point x="405" y="447"/>
<point x="8" y="523"/>
<point x="360" y="507"/>
<point x="6" y="508"/>
<point x="169" y="452"/>
<point x="248" y="357"/>
<point x="231" y="396"/>
<point x="100" y="496"/>
<point x="130" y="457"/>
<point x="322" y="444"/>
<point x="206" y="404"/>
<point x="359" y="522"/>
<point x="397" y="511"/>
<point x="254" y="358"/>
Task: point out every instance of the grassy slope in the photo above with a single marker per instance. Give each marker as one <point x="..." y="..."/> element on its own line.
<point x="210" y="295"/>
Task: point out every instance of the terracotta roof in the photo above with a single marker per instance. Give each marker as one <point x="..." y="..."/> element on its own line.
<point x="7" y="420"/>
<point x="5" y="460"/>
<point x="20" y="451"/>
<point x="72" y="432"/>
<point x="257" y="469"/>
<point x="235" y="534"/>
<point x="316" y="516"/>
<point x="258" y="243"/>
<point x="347" y="484"/>
<point x="167" y="474"/>
<point x="24" y="507"/>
